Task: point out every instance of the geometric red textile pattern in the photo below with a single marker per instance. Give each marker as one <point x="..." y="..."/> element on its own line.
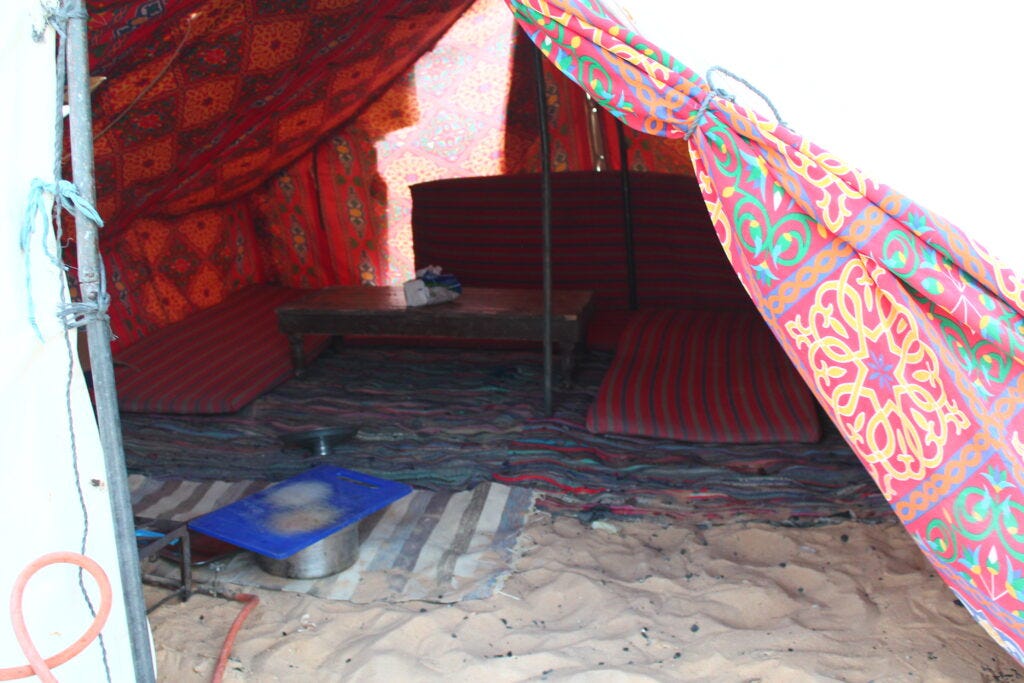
<point x="466" y="109"/>
<point x="240" y="89"/>
<point x="908" y="332"/>
<point x="322" y="221"/>
<point x="444" y="119"/>
<point x="289" y="229"/>
<point x="204" y="101"/>
<point x="569" y="148"/>
<point x="353" y="206"/>
<point x="647" y="153"/>
<point x="339" y="211"/>
<point x="163" y="270"/>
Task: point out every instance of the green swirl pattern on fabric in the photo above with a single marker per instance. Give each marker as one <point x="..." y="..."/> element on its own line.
<point x="909" y="333"/>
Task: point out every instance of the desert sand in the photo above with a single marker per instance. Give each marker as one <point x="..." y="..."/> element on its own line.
<point x="623" y="601"/>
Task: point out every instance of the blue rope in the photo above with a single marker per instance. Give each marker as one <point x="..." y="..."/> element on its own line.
<point x="724" y="94"/>
<point x="67" y="197"/>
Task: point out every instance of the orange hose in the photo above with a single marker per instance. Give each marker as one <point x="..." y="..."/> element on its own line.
<point x="250" y="601"/>
<point x="37" y="665"/>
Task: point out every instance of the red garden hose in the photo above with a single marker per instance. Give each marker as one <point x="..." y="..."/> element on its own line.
<point x="42" y="667"/>
<point x="37" y="665"/>
<point x="250" y="601"/>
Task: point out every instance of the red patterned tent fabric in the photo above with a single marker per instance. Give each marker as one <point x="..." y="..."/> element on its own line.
<point x="909" y="333"/>
<point x="237" y="144"/>
<point x="204" y="101"/>
<point x="239" y="89"/>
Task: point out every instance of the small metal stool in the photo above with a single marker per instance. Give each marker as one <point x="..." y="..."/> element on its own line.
<point x="153" y="535"/>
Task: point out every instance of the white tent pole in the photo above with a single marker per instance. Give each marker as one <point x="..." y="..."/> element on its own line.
<point x="92" y="291"/>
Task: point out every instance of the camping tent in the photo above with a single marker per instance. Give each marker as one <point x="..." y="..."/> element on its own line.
<point x="206" y="101"/>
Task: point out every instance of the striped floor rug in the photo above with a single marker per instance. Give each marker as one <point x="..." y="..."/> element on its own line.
<point x="450" y="419"/>
<point x="438" y="546"/>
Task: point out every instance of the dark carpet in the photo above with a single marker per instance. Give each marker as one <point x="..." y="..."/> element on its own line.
<point x="449" y="419"/>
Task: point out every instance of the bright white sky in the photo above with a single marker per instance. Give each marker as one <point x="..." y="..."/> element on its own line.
<point x="916" y="94"/>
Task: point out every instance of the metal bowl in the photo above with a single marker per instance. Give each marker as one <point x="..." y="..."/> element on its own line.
<point x="320" y="441"/>
<point x="329" y="555"/>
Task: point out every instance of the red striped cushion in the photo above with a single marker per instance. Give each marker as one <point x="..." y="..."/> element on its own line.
<point x="215" y="361"/>
<point x="707" y="377"/>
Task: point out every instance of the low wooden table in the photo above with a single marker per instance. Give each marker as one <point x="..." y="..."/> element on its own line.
<point x="480" y="313"/>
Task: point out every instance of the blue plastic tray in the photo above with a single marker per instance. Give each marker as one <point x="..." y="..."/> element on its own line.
<point x="293" y="514"/>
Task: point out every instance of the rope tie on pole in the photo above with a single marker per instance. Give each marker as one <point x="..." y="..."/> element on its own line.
<point x="725" y="95"/>
<point x="65" y="196"/>
<point x="81" y="313"/>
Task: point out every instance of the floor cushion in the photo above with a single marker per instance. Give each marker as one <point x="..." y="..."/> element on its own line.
<point x="215" y="361"/>
<point x="704" y="377"/>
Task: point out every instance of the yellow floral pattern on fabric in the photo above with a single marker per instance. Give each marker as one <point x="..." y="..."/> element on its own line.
<point x="910" y="334"/>
<point x="856" y="340"/>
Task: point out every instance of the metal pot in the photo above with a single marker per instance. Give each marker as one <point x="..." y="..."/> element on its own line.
<point x="330" y="555"/>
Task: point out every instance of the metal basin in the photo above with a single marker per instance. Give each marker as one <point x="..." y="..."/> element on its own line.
<point x="330" y="555"/>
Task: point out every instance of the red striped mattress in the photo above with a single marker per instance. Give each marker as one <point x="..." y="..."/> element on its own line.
<point x="216" y="361"/>
<point x="705" y="377"/>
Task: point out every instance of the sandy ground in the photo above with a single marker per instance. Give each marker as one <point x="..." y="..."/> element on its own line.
<point x="635" y="602"/>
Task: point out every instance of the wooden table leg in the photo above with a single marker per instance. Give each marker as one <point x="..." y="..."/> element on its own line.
<point x="298" y="354"/>
<point x="567" y="350"/>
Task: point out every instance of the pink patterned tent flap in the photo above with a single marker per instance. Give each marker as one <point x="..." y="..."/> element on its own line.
<point x="909" y="333"/>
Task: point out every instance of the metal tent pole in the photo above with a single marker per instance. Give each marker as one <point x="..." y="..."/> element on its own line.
<point x="90" y="280"/>
<point x="627" y="215"/>
<point x="545" y="160"/>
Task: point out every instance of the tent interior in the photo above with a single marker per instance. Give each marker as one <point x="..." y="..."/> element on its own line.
<point x="249" y="152"/>
<point x="246" y="153"/>
<point x="275" y="142"/>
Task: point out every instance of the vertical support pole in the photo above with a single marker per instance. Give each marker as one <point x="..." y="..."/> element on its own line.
<point x="595" y="136"/>
<point x="109" y="422"/>
<point x="321" y="216"/>
<point x="545" y="160"/>
<point x="627" y="216"/>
